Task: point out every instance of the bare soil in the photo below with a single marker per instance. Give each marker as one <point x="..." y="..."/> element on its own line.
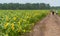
<point x="49" y="26"/>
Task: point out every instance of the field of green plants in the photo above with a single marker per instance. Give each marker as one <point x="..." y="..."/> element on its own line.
<point x="59" y="12"/>
<point x="18" y="22"/>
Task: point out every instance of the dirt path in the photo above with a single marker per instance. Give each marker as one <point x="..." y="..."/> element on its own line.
<point x="50" y="26"/>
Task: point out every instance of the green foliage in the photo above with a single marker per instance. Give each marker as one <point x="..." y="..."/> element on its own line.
<point x="27" y="6"/>
<point x="18" y="22"/>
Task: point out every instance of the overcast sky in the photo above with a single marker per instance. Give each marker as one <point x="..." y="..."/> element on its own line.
<point x="51" y="2"/>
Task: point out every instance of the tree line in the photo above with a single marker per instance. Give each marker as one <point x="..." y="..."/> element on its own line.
<point x="33" y="6"/>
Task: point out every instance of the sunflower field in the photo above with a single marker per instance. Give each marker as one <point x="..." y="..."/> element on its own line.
<point x="18" y="22"/>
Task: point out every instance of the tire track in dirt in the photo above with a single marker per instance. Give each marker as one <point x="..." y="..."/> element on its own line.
<point x="49" y="26"/>
<point x="52" y="27"/>
<point x="38" y="29"/>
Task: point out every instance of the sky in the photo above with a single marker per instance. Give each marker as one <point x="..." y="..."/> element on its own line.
<point x="51" y="2"/>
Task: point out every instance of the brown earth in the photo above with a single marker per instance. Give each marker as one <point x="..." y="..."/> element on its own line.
<point x="49" y="26"/>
